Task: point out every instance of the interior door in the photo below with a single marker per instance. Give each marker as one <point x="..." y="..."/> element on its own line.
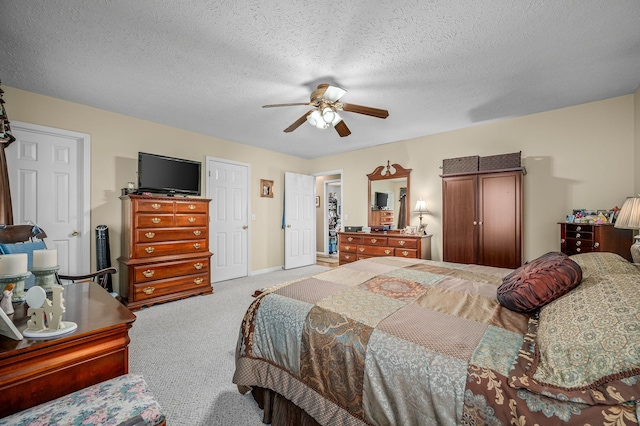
<point x="500" y="219"/>
<point x="300" y="220"/>
<point x="48" y="169"/>
<point x="459" y="222"/>
<point x="227" y="186"/>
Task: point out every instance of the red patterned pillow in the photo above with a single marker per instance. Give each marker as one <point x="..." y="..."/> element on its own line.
<point x="539" y="282"/>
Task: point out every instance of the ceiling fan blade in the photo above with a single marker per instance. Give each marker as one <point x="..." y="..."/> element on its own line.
<point x="281" y="105"/>
<point x="333" y="93"/>
<point x="373" y="112"/>
<point x="297" y="123"/>
<point x="342" y="129"/>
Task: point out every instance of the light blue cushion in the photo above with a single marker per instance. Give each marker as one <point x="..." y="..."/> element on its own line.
<point x="27" y="248"/>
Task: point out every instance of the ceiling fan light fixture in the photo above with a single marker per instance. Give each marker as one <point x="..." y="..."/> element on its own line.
<point x="336" y="119"/>
<point x="314" y="118"/>
<point x="328" y="115"/>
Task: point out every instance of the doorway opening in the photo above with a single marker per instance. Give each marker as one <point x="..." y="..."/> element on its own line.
<point x="328" y="216"/>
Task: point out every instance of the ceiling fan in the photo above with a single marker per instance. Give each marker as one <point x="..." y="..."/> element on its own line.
<point x="325" y="112"/>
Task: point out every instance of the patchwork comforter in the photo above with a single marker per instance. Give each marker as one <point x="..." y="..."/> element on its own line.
<point x="393" y="341"/>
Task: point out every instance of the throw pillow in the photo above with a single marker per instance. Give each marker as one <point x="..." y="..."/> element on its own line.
<point x="539" y="282"/>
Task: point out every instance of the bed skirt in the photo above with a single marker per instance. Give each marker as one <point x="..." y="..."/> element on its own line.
<point x="279" y="411"/>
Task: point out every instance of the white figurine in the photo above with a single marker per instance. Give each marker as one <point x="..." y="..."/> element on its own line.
<point x="7" y="295"/>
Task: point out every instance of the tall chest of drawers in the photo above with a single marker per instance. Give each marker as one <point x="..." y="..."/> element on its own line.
<point x="578" y="238"/>
<point x="165" y="249"/>
<point x="358" y="245"/>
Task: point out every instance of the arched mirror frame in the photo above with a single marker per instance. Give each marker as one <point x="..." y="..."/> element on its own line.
<point x="384" y="173"/>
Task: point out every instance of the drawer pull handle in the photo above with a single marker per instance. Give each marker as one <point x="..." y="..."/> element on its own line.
<point x="578" y="228"/>
<point x="405" y="253"/>
<point x="192" y="219"/>
<point x="155" y="206"/>
<point x="387" y="252"/>
<point x="361" y="249"/>
<point x="196" y="245"/>
<point x="148" y="290"/>
<point x="198" y="265"/>
<point x="350" y="239"/>
<point x="578" y="243"/>
<point x="347" y="257"/>
<point x="156" y="220"/>
<point x="347" y="247"/>
<point x="578" y="235"/>
<point x="578" y="250"/>
<point x="198" y="280"/>
<point x="192" y="207"/>
<point x="373" y="240"/>
<point x="197" y="232"/>
<point x="149" y="250"/>
<point x="401" y="242"/>
<point x="562" y="240"/>
<point x="150" y="234"/>
<point x="596" y="245"/>
<point x="149" y="273"/>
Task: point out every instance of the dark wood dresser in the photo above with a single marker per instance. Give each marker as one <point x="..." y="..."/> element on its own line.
<point x="33" y="371"/>
<point x="578" y="238"/>
<point x="165" y="249"/>
<point x="359" y="245"/>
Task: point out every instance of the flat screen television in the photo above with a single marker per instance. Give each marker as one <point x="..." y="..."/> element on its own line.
<point x="168" y="175"/>
<point x="382" y="200"/>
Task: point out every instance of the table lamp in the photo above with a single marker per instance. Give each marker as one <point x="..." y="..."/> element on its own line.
<point x="629" y="218"/>
<point x="421" y="207"/>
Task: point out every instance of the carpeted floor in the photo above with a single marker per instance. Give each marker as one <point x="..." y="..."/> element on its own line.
<point x="186" y="352"/>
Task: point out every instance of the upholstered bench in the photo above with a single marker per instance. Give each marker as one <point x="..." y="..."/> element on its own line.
<point x="122" y="401"/>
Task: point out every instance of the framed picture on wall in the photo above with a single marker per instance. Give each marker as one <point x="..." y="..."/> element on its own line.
<point x="266" y="188"/>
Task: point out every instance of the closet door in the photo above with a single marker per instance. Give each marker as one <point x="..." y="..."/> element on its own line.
<point x="500" y="219"/>
<point x="459" y="237"/>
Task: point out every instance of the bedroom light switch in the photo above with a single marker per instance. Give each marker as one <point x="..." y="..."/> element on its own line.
<point x="253" y="217"/>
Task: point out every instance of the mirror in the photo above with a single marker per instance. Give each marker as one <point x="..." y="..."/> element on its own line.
<point x="389" y="203"/>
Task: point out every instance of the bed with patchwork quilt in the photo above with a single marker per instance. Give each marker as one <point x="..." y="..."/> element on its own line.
<point x="393" y="341"/>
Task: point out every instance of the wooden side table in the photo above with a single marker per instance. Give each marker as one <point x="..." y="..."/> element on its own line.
<point x="33" y="371"/>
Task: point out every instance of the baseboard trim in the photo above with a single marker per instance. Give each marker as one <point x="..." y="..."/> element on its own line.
<point x="266" y="271"/>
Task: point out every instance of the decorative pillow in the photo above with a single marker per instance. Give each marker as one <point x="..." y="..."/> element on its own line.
<point x="539" y="282"/>
<point x="585" y="346"/>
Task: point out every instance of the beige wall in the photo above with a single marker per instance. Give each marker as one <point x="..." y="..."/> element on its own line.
<point x="115" y="142"/>
<point x="576" y="157"/>
<point x="636" y="111"/>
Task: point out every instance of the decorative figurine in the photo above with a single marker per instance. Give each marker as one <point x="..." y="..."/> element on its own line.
<point x="7" y="295"/>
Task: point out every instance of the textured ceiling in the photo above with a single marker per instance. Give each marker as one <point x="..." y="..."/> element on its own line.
<point x="209" y="66"/>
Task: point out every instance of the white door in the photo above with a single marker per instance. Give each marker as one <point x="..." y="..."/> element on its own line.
<point x="49" y="180"/>
<point x="228" y="189"/>
<point x="300" y="220"/>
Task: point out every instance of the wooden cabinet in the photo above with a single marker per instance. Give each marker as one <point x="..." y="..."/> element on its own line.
<point x="358" y="245"/>
<point x="482" y="218"/>
<point x="33" y="371"/>
<point x="382" y="217"/>
<point x="578" y="238"/>
<point x="165" y="249"/>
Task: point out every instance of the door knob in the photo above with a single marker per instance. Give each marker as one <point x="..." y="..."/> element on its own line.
<point x="75" y="233"/>
<point x="288" y="226"/>
<point x="244" y="226"/>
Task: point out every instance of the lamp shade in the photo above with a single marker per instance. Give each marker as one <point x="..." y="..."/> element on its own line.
<point x="421" y="206"/>
<point x="629" y="215"/>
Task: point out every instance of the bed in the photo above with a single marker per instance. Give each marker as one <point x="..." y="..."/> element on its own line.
<point x="392" y="341"/>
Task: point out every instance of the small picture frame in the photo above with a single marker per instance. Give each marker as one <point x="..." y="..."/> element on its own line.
<point x="317" y="201"/>
<point x="266" y="188"/>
